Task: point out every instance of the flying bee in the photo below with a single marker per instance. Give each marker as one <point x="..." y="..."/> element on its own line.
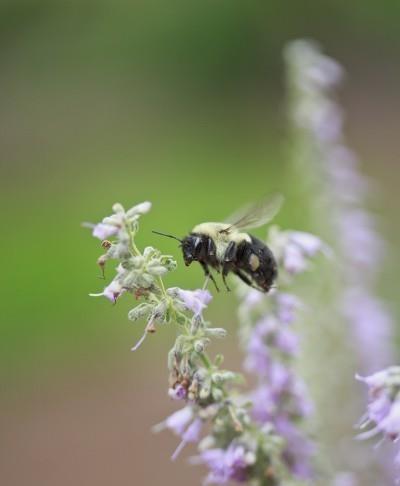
<point x="226" y="247"/>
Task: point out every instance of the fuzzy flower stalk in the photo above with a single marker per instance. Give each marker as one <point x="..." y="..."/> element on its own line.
<point x="271" y="345"/>
<point x="356" y="321"/>
<point x="236" y="440"/>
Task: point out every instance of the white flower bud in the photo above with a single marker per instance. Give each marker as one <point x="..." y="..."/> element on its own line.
<point x="221" y="376"/>
<point x="114" y="220"/>
<point x="217" y="394"/>
<point x="157" y="270"/>
<point x="141" y="208"/>
<point x="150" y="251"/>
<point x="137" y="261"/>
<point x="218" y="332"/>
<point x="118" y="208"/>
<point x="199" y="346"/>
<point x="145" y="280"/>
<point x="204" y="393"/>
<point x="139" y="311"/>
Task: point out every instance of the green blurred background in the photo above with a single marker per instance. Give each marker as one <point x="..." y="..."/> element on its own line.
<point x="181" y="103"/>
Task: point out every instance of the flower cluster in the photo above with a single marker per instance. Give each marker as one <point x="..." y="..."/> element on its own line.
<point x="280" y="397"/>
<point x="235" y="447"/>
<point x="383" y="412"/>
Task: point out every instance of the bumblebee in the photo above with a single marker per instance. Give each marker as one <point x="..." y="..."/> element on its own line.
<point x="227" y="248"/>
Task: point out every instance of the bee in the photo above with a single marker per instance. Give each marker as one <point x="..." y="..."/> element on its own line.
<point x="227" y="248"/>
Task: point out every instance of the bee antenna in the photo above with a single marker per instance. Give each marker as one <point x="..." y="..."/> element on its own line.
<point x="168" y="236"/>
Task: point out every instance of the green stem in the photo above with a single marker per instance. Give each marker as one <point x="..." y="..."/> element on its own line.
<point x="206" y="360"/>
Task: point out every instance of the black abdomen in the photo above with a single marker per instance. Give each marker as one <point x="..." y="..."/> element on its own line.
<point x="256" y="260"/>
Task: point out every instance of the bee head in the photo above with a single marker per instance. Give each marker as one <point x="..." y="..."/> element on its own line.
<point x="188" y="249"/>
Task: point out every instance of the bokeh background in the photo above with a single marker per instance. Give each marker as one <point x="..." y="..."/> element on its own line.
<point x="181" y="103"/>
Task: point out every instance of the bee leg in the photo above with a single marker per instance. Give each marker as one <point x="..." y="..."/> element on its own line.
<point x="208" y="274"/>
<point x="229" y="257"/>
<point x="223" y="279"/>
<point x="244" y="278"/>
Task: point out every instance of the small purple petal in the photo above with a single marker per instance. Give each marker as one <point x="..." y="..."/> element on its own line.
<point x="178" y="421"/>
<point x="287" y="305"/>
<point x="195" y="300"/>
<point x="178" y="393"/>
<point x="104" y="231"/>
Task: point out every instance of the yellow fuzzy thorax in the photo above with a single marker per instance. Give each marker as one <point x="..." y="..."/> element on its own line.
<point x="221" y="239"/>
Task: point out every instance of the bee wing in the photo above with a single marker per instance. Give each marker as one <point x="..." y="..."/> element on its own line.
<point x="256" y="215"/>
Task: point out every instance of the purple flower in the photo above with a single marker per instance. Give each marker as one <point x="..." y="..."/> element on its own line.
<point x="359" y="240"/>
<point x="299" y="247"/>
<point x="178" y="421"/>
<point x="342" y="169"/>
<point x="191" y="434"/>
<point x="194" y="300"/>
<point x="112" y="291"/>
<point x="178" y="393"/>
<point x="383" y="411"/>
<point x="371" y="325"/>
<point x="298" y="448"/>
<point x="286" y="341"/>
<point x="258" y="356"/>
<point x="265" y="404"/>
<point x="104" y="231"/>
<point x="286" y="307"/>
<point x="227" y="464"/>
<point x="293" y="259"/>
<point x="375" y="381"/>
<point x="307" y="243"/>
<point x="390" y="424"/>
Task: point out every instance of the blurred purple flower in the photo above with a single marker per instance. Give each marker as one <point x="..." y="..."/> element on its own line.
<point x="226" y="465"/>
<point x="178" y="393"/>
<point x="371" y="326"/>
<point x="178" y="421"/>
<point x="299" y="247"/>
<point x="286" y="307"/>
<point x="287" y="341"/>
<point x="358" y="238"/>
<point x="195" y="300"/>
<point x="383" y="410"/>
<point x="348" y="184"/>
<point x="191" y="434"/>
<point x="298" y="450"/>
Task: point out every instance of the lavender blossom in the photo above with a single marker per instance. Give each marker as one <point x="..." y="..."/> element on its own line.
<point x="382" y="418"/>
<point x="231" y="464"/>
<point x="193" y="300"/>
<point x="280" y="398"/>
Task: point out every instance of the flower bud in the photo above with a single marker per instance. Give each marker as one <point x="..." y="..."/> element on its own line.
<point x="118" y="208"/>
<point x="199" y="346"/>
<point x="139" y="311"/>
<point x="218" y="332"/>
<point x="141" y="208"/>
<point x="106" y="244"/>
<point x="145" y="280"/>
<point x="137" y="261"/>
<point x="204" y="393"/>
<point x="157" y="270"/>
<point x="217" y="394"/>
